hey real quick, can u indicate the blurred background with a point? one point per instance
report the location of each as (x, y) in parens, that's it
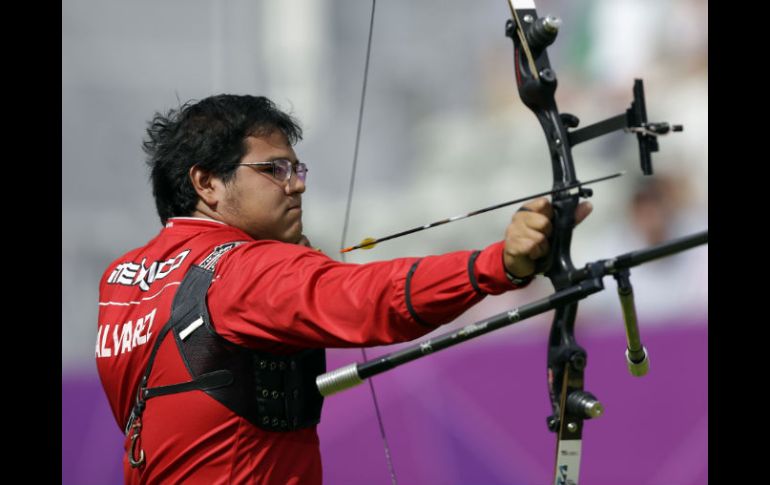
(444, 132)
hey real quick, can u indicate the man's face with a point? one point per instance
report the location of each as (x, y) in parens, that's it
(258, 204)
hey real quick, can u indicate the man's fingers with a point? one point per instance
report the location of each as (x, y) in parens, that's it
(533, 220)
(527, 234)
(536, 244)
(582, 211)
(530, 243)
(537, 216)
(540, 205)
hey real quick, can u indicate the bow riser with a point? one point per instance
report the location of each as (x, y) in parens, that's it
(536, 83)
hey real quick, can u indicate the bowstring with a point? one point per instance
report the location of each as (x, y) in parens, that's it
(386, 447)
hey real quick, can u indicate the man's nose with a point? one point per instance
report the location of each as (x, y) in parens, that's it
(295, 185)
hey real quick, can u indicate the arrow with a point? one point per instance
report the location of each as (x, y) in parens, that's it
(369, 242)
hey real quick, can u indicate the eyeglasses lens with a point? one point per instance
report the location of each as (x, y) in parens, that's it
(282, 170)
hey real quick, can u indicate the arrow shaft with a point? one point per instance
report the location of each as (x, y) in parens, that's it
(477, 212)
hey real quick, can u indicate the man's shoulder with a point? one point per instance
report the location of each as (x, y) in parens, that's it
(176, 246)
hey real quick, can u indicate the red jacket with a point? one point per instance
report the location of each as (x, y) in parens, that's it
(265, 295)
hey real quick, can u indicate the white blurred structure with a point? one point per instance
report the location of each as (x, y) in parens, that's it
(444, 131)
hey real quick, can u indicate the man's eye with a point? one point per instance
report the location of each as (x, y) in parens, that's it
(281, 169)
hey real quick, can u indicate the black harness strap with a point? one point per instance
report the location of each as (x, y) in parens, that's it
(181, 306)
(273, 392)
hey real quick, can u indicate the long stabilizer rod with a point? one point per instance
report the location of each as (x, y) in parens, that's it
(586, 281)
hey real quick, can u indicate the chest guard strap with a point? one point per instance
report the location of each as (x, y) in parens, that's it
(273, 392)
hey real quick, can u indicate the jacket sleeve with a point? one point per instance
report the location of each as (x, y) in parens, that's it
(268, 294)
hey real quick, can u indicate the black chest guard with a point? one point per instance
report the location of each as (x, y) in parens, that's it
(273, 392)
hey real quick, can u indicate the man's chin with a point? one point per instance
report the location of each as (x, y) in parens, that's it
(295, 235)
(304, 241)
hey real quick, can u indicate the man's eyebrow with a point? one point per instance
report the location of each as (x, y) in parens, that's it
(294, 161)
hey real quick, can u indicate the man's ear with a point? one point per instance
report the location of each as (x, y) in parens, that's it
(209, 187)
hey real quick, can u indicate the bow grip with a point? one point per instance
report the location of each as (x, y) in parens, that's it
(558, 261)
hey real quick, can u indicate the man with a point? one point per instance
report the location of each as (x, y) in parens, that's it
(211, 335)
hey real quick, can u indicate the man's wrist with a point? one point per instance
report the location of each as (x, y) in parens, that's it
(519, 281)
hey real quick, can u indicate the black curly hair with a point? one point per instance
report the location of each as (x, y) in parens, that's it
(211, 134)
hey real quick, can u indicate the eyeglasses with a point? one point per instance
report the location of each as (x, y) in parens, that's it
(282, 169)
